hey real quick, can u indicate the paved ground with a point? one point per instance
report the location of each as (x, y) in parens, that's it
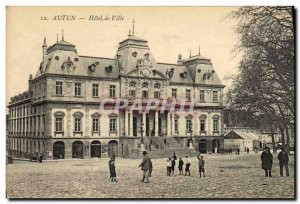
(226, 177)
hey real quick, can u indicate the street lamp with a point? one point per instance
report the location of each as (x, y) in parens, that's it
(142, 138)
(142, 131)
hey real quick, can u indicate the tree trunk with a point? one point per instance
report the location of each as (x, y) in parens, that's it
(281, 129)
(273, 139)
(287, 139)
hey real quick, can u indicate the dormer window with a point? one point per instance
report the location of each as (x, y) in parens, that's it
(183, 75)
(109, 69)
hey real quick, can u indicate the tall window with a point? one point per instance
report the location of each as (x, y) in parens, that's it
(77, 125)
(58, 124)
(95, 90)
(176, 125)
(58, 88)
(156, 90)
(59, 121)
(188, 94)
(145, 90)
(174, 93)
(215, 96)
(112, 124)
(95, 124)
(189, 125)
(216, 125)
(202, 125)
(78, 121)
(77, 89)
(112, 91)
(202, 95)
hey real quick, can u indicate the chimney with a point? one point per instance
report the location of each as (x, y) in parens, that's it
(179, 61)
(44, 47)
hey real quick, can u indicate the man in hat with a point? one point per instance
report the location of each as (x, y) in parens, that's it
(145, 166)
(283, 158)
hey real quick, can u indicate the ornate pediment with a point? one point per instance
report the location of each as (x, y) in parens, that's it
(144, 66)
(68, 66)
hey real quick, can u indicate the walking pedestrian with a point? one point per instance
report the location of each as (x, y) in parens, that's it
(247, 150)
(169, 166)
(283, 158)
(112, 169)
(173, 165)
(180, 166)
(187, 166)
(40, 158)
(201, 164)
(151, 167)
(267, 161)
(145, 166)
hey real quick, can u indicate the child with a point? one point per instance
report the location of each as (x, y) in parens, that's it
(201, 163)
(112, 169)
(187, 165)
(169, 166)
(180, 166)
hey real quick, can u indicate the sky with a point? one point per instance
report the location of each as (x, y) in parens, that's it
(169, 30)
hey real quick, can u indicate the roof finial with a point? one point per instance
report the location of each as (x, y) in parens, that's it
(62, 35)
(190, 53)
(57, 37)
(133, 26)
(199, 50)
(45, 44)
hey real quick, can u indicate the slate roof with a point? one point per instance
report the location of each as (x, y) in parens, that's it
(241, 135)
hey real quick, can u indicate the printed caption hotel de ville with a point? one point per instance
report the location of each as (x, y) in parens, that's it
(82, 106)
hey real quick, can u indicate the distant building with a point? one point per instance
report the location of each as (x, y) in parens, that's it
(60, 117)
(241, 140)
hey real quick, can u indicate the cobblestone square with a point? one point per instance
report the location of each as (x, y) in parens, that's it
(227, 176)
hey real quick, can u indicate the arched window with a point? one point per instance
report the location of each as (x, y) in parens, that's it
(216, 123)
(96, 122)
(145, 90)
(59, 121)
(156, 90)
(203, 123)
(132, 88)
(78, 121)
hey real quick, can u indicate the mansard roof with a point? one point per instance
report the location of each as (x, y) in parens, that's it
(100, 67)
(62, 58)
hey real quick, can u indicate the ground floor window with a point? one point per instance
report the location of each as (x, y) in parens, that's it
(112, 125)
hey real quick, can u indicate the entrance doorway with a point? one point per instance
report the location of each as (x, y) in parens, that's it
(203, 146)
(96, 149)
(58, 150)
(134, 121)
(112, 148)
(77, 149)
(215, 146)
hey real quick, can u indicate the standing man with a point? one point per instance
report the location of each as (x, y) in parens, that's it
(201, 164)
(145, 166)
(187, 166)
(283, 158)
(267, 161)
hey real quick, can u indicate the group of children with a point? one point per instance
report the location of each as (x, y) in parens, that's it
(171, 162)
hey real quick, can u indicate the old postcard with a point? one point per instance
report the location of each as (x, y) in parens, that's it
(150, 103)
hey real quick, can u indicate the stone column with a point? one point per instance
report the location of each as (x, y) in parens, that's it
(156, 123)
(126, 123)
(131, 123)
(68, 121)
(168, 124)
(196, 125)
(144, 122)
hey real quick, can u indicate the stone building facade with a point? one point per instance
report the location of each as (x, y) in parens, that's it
(59, 115)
